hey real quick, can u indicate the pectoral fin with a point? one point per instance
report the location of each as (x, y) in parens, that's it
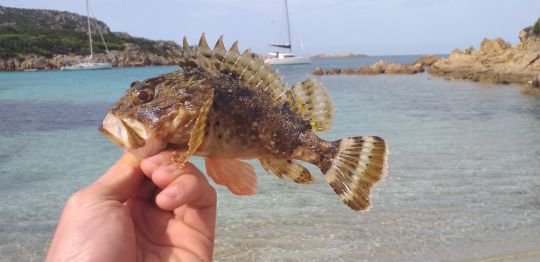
(237, 176)
(197, 130)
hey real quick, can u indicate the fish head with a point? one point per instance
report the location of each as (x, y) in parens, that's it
(149, 115)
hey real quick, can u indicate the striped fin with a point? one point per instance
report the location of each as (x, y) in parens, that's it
(359, 163)
(288, 168)
(250, 70)
(198, 132)
(311, 101)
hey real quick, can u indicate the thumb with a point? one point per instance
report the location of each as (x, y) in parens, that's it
(121, 180)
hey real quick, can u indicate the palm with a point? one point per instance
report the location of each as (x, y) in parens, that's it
(121, 218)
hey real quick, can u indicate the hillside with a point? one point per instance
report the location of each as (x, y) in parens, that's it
(47, 39)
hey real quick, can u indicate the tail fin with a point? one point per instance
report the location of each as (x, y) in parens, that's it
(357, 163)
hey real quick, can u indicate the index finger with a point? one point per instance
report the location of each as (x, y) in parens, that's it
(150, 164)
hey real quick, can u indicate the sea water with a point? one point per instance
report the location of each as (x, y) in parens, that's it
(463, 180)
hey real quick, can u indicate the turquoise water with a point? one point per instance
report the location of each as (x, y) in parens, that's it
(464, 177)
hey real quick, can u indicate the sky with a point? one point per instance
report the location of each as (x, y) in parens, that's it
(373, 27)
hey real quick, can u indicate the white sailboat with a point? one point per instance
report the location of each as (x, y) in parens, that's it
(286, 58)
(89, 65)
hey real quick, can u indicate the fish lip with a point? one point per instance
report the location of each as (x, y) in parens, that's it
(108, 135)
(120, 132)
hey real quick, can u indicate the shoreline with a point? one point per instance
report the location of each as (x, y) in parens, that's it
(59, 70)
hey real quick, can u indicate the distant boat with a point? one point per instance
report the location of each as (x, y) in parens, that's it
(286, 58)
(30, 70)
(89, 65)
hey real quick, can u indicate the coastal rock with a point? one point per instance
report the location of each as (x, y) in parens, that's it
(131, 56)
(382, 67)
(493, 47)
(318, 71)
(497, 61)
(9, 64)
(427, 60)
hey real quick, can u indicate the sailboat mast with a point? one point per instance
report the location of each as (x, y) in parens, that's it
(89, 29)
(288, 25)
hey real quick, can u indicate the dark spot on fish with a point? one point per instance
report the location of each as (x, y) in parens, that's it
(217, 123)
(289, 161)
(219, 136)
(257, 112)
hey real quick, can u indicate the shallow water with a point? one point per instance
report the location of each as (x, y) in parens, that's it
(463, 183)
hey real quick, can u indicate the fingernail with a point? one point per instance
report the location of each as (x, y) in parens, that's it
(171, 192)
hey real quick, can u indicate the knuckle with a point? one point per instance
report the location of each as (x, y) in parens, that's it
(77, 199)
(212, 192)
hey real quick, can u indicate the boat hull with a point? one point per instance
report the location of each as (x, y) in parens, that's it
(287, 60)
(87, 66)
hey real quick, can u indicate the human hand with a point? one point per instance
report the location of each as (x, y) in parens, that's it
(124, 217)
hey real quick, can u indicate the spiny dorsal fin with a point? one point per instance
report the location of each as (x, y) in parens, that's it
(203, 47)
(185, 45)
(242, 63)
(230, 58)
(252, 71)
(312, 102)
(289, 168)
(218, 53)
(188, 55)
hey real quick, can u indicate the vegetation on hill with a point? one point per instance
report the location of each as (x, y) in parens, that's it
(50, 42)
(48, 33)
(536, 27)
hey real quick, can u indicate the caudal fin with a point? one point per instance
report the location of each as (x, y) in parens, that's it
(356, 164)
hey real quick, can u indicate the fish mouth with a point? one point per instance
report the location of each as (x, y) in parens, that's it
(128, 133)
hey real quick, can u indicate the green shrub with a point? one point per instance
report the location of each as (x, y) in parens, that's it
(536, 27)
(49, 42)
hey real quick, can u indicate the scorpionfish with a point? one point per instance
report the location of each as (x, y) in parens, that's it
(227, 107)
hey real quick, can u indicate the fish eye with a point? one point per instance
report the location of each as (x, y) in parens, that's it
(142, 96)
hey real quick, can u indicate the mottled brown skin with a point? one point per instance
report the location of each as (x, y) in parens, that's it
(246, 123)
(172, 93)
(243, 123)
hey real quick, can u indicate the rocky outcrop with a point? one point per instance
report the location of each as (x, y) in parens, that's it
(428, 60)
(497, 61)
(48, 39)
(19, 18)
(131, 56)
(382, 67)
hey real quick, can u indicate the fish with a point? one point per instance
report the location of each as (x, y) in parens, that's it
(227, 107)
